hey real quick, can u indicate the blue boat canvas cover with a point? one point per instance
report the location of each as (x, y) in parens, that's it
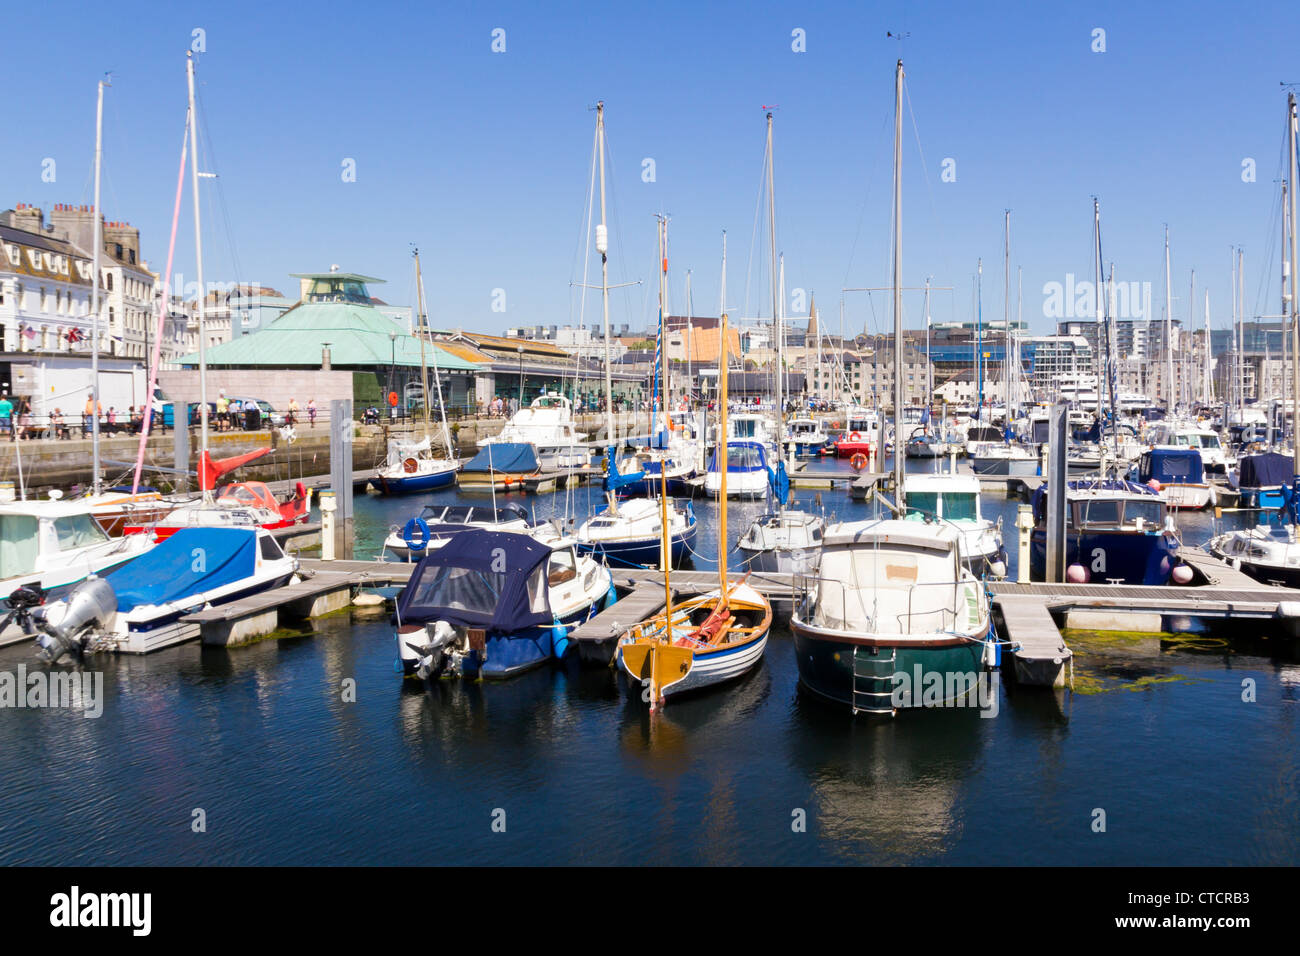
(1169, 465)
(1265, 470)
(190, 561)
(741, 456)
(511, 457)
(487, 579)
(613, 480)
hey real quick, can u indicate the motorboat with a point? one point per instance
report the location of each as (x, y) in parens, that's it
(1260, 478)
(785, 541)
(1177, 473)
(493, 604)
(500, 466)
(630, 534)
(954, 500)
(412, 539)
(806, 437)
(1116, 531)
(547, 424)
(746, 468)
(51, 546)
(138, 606)
(1003, 459)
(245, 504)
(892, 608)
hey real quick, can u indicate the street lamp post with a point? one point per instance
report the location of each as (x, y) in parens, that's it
(392, 370)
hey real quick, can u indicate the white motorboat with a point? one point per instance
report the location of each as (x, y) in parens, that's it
(547, 424)
(954, 500)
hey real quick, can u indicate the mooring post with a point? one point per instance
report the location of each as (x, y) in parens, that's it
(328, 504)
(341, 426)
(1056, 472)
(181, 445)
(1025, 525)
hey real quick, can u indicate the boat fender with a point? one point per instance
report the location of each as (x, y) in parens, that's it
(1077, 574)
(1182, 574)
(416, 527)
(611, 596)
(559, 639)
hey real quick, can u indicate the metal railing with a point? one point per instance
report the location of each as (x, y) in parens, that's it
(806, 603)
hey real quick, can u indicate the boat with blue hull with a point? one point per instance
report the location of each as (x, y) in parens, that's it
(1261, 477)
(1178, 474)
(135, 607)
(630, 534)
(1116, 531)
(493, 604)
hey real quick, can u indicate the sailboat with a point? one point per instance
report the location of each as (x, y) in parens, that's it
(784, 539)
(892, 600)
(703, 640)
(630, 534)
(116, 506)
(411, 467)
(1270, 553)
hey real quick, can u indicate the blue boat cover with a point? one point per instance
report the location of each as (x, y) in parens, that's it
(741, 456)
(778, 483)
(510, 457)
(493, 580)
(1265, 470)
(1084, 486)
(613, 480)
(190, 561)
(1165, 465)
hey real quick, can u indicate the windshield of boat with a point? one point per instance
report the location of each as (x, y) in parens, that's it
(19, 544)
(950, 505)
(744, 427)
(78, 531)
(465, 589)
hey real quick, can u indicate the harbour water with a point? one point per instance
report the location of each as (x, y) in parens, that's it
(561, 766)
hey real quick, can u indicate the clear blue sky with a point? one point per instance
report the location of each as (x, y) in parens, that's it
(482, 158)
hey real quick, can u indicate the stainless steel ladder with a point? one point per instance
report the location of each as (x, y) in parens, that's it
(871, 672)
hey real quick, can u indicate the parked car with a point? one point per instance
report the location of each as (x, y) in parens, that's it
(268, 412)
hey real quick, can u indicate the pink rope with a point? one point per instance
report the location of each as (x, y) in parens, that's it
(181, 419)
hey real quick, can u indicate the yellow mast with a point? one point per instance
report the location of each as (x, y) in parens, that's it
(667, 554)
(722, 456)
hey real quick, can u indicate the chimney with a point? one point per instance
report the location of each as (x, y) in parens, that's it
(325, 358)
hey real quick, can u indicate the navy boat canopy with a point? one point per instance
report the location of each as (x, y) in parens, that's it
(1266, 470)
(188, 562)
(1181, 466)
(493, 580)
(512, 457)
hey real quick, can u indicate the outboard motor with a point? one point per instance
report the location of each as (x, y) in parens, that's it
(66, 626)
(433, 654)
(20, 603)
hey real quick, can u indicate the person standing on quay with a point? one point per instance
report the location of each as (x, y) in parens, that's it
(293, 411)
(6, 415)
(311, 412)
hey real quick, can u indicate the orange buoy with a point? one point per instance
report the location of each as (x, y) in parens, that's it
(858, 461)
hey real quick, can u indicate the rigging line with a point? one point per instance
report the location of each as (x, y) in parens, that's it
(220, 200)
(754, 234)
(929, 186)
(862, 209)
(583, 244)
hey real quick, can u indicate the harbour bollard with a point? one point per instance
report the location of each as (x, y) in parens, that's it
(327, 507)
(952, 459)
(1025, 525)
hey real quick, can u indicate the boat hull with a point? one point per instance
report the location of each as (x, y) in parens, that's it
(1004, 467)
(640, 552)
(781, 560)
(708, 668)
(1131, 557)
(826, 666)
(413, 484)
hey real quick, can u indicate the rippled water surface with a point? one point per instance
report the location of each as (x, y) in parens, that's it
(259, 738)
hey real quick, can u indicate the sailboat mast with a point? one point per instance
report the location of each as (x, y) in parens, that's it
(198, 255)
(898, 285)
(929, 371)
(1006, 311)
(1292, 121)
(776, 290)
(667, 554)
(94, 291)
(602, 246)
(1169, 332)
(424, 367)
(720, 451)
(690, 310)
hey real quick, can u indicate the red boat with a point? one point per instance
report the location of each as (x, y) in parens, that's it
(240, 504)
(854, 444)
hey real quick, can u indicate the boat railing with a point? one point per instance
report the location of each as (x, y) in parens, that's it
(805, 584)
